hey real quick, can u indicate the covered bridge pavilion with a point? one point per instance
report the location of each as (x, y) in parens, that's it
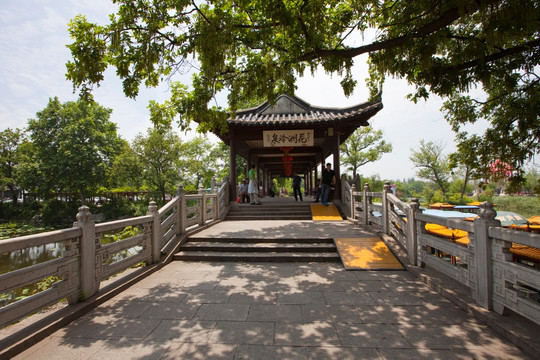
(292, 137)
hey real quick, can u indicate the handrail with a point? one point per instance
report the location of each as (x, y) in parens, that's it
(83, 261)
(482, 260)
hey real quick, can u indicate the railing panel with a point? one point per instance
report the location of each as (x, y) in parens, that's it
(120, 224)
(29, 241)
(173, 218)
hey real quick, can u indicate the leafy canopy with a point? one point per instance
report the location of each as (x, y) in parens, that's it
(365, 145)
(257, 49)
(74, 144)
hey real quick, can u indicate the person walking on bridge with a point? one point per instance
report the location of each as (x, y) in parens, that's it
(253, 189)
(328, 180)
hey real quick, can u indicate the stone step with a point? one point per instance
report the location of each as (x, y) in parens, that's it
(254, 240)
(270, 212)
(208, 246)
(256, 257)
(267, 217)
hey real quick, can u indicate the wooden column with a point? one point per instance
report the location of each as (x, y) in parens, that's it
(335, 153)
(232, 169)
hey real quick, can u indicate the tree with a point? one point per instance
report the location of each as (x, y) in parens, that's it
(126, 169)
(74, 146)
(200, 161)
(432, 164)
(363, 146)
(159, 154)
(9, 160)
(258, 48)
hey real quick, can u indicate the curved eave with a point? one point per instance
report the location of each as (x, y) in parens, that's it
(314, 117)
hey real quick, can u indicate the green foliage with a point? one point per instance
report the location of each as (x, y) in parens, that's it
(526, 206)
(16, 229)
(432, 164)
(59, 213)
(257, 49)
(74, 144)
(159, 154)
(9, 160)
(25, 292)
(19, 211)
(117, 207)
(126, 233)
(365, 145)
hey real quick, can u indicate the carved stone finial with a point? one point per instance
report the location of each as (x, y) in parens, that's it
(180, 190)
(486, 211)
(366, 187)
(84, 214)
(152, 208)
(386, 186)
(353, 187)
(415, 204)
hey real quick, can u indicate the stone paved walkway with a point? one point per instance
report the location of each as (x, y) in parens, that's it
(275, 311)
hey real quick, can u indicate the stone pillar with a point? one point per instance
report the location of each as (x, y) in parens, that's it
(385, 207)
(483, 294)
(181, 210)
(156, 231)
(202, 206)
(366, 204)
(353, 190)
(89, 284)
(232, 170)
(412, 233)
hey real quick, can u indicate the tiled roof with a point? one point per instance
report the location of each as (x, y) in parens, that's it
(290, 110)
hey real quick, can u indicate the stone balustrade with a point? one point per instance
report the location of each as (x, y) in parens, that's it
(84, 261)
(481, 261)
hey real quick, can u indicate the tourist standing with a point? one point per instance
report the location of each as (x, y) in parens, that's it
(253, 189)
(296, 182)
(328, 180)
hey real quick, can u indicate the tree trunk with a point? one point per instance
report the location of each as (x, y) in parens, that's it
(465, 181)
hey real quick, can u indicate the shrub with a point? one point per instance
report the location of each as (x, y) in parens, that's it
(59, 213)
(524, 205)
(116, 208)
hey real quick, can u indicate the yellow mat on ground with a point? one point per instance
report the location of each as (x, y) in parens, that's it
(366, 254)
(321, 212)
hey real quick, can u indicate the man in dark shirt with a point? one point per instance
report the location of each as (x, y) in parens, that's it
(328, 179)
(296, 182)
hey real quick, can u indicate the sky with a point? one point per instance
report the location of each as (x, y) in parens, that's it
(33, 54)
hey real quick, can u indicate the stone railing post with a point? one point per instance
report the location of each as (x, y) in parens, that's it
(483, 294)
(353, 190)
(386, 217)
(88, 281)
(366, 204)
(202, 206)
(156, 231)
(216, 202)
(227, 196)
(213, 182)
(181, 210)
(412, 233)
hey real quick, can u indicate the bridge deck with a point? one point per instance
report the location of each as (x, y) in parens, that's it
(227, 310)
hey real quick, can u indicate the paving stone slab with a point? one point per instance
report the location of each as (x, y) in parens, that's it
(200, 351)
(233, 312)
(274, 352)
(243, 332)
(306, 334)
(183, 331)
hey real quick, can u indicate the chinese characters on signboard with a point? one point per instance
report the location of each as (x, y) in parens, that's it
(278, 138)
